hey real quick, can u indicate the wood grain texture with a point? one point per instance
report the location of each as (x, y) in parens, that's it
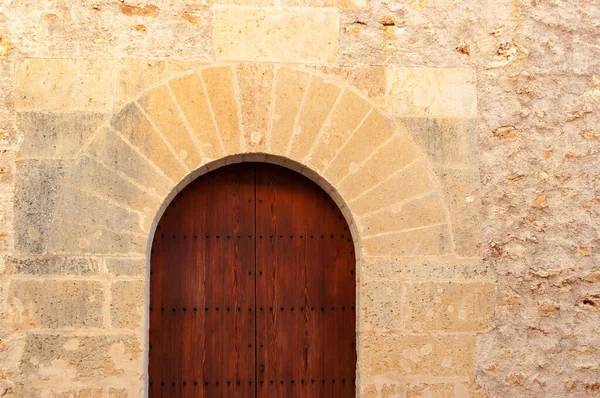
(306, 288)
(252, 289)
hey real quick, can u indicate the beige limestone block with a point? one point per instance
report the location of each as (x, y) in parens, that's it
(91, 176)
(431, 92)
(70, 237)
(255, 82)
(122, 266)
(35, 304)
(394, 354)
(448, 267)
(434, 240)
(220, 90)
(56, 135)
(118, 393)
(448, 142)
(276, 34)
(341, 4)
(344, 119)
(77, 393)
(319, 101)
(136, 75)
(461, 191)
(110, 149)
(131, 123)
(431, 390)
(370, 81)
(381, 305)
(191, 97)
(65, 84)
(52, 265)
(127, 304)
(397, 153)
(373, 132)
(158, 104)
(380, 268)
(421, 212)
(91, 359)
(290, 87)
(449, 306)
(84, 208)
(247, 3)
(415, 180)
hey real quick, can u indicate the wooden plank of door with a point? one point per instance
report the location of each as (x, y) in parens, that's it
(305, 289)
(202, 289)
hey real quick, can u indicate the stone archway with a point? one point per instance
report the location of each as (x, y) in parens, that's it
(300, 119)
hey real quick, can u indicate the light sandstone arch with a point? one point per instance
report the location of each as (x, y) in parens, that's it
(207, 117)
(299, 118)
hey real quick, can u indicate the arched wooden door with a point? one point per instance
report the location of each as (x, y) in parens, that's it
(252, 289)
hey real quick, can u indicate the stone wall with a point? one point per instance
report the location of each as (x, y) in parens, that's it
(459, 138)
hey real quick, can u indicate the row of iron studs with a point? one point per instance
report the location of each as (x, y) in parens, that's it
(239, 309)
(217, 383)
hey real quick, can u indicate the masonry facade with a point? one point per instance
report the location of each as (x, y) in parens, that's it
(108, 109)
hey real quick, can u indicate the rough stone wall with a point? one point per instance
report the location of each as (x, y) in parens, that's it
(537, 70)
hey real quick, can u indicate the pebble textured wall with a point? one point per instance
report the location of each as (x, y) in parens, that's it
(459, 138)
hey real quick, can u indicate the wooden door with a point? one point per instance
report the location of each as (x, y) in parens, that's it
(252, 289)
(305, 291)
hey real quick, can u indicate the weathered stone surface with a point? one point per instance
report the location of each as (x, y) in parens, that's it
(320, 98)
(9, 137)
(7, 81)
(56, 135)
(219, 82)
(291, 3)
(126, 266)
(449, 306)
(432, 92)
(448, 142)
(90, 176)
(83, 208)
(414, 181)
(380, 268)
(191, 97)
(138, 131)
(160, 107)
(370, 81)
(72, 237)
(290, 88)
(290, 35)
(52, 265)
(127, 304)
(434, 240)
(55, 304)
(344, 119)
(37, 188)
(86, 29)
(117, 393)
(447, 268)
(373, 132)
(136, 75)
(255, 82)
(7, 168)
(395, 154)
(417, 354)
(111, 149)
(381, 305)
(53, 360)
(461, 192)
(65, 84)
(424, 211)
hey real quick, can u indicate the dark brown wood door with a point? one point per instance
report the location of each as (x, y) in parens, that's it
(252, 289)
